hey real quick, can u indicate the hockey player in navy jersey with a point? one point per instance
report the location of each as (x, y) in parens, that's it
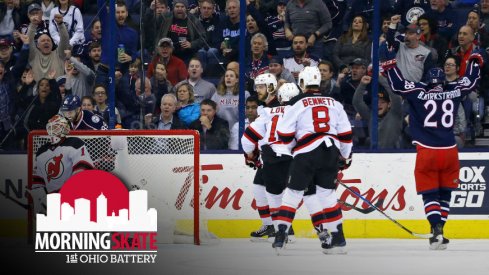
(56, 161)
(432, 109)
(81, 119)
(324, 138)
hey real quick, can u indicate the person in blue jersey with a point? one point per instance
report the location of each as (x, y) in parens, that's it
(78, 118)
(432, 110)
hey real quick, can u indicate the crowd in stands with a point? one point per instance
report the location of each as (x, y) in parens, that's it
(180, 70)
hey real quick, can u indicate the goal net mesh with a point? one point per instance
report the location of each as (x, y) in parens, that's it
(165, 163)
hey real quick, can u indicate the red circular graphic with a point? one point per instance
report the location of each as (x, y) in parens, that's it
(89, 185)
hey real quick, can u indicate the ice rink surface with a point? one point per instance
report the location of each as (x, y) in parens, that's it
(242, 257)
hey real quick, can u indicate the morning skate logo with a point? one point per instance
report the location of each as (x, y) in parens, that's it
(470, 198)
(95, 219)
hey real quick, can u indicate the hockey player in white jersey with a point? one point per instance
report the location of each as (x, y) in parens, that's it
(324, 139)
(266, 86)
(275, 155)
(57, 160)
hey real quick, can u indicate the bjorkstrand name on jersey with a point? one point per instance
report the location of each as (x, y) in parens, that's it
(439, 95)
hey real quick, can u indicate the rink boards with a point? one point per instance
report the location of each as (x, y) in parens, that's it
(228, 209)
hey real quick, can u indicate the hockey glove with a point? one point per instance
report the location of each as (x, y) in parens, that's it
(343, 163)
(254, 161)
(389, 64)
(38, 195)
(477, 57)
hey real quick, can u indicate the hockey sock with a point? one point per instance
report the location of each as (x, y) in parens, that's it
(315, 210)
(445, 197)
(331, 208)
(274, 202)
(432, 208)
(290, 202)
(262, 204)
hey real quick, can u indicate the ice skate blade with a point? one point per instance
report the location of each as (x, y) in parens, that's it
(338, 250)
(438, 246)
(280, 250)
(260, 240)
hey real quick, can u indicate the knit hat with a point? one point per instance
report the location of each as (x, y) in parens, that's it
(183, 2)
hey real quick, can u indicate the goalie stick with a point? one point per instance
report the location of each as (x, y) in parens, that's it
(362, 210)
(418, 235)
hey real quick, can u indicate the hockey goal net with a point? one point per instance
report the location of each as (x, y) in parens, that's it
(165, 163)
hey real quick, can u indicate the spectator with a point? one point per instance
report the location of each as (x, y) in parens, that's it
(203, 89)
(157, 8)
(167, 120)
(353, 44)
(72, 19)
(413, 58)
(46, 104)
(160, 84)
(258, 61)
(276, 68)
(310, 18)
(126, 36)
(8, 81)
(328, 83)
(10, 18)
(389, 112)
(256, 24)
(87, 103)
(214, 131)
(430, 37)
(411, 10)
(61, 80)
(227, 97)
(300, 57)
(481, 35)
(175, 67)
(251, 114)
(6, 52)
(79, 78)
(233, 65)
(43, 55)
(446, 18)
(230, 32)
(365, 8)
(209, 54)
(95, 31)
(276, 25)
(188, 109)
(101, 108)
(348, 83)
(95, 55)
(146, 99)
(185, 31)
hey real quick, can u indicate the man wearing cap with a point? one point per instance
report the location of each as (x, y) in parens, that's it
(389, 112)
(277, 69)
(413, 59)
(184, 29)
(176, 70)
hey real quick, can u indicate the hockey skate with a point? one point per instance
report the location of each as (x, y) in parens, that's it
(261, 235)
(336, 243)
(291, 235)
(280, 238)
(437, 242)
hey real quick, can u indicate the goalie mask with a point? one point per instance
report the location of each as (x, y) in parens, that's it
(286, 92)
(57, 128)
(309, 76)
(267, 79)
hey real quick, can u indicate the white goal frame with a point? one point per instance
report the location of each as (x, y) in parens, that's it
(195, 182)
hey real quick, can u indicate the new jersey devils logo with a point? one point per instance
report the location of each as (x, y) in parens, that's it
(54, 167)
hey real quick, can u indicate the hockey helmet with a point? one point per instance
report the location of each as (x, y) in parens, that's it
(71, 102)
(287, 91)
(57, 127)
(267, 79)
(309, 76)
(435, 76)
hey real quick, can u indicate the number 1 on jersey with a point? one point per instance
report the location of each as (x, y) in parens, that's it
(272, 137)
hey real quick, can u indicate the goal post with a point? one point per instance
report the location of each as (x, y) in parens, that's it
(166, 163)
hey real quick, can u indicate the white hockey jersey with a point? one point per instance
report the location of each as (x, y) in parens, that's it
(262, 131)
(55, 164)
(313, 119)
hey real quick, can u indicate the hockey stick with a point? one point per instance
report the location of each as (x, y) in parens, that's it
(418, 235)
(362, 210)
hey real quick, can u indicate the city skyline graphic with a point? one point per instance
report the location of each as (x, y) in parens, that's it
(63, 217)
